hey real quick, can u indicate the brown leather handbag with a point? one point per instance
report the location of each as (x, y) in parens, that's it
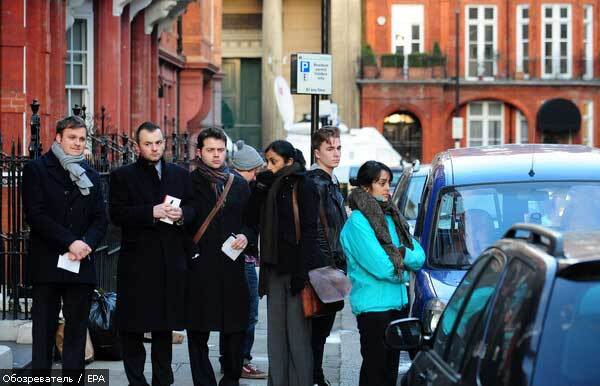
(327, 287)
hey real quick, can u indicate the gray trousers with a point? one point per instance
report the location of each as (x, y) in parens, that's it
(289, 335)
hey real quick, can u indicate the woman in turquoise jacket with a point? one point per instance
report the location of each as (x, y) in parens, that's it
(379, 252)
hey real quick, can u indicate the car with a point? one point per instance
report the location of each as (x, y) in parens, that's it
(473, 195)
(407, 194)
(526, 314)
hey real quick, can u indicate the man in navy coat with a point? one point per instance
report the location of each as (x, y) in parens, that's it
(64, 207)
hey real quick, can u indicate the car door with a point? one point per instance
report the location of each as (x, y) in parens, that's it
(511, 326)
(441, 365)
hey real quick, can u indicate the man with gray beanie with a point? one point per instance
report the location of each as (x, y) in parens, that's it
(246, 162)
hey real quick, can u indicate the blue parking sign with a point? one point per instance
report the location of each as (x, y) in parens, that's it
(304, 66)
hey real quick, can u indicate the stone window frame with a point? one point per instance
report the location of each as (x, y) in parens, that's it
(481, 23)
(587, 123)
(522, 53)
(588, 41)
(485, 119)
(88, 87)
(521, 128)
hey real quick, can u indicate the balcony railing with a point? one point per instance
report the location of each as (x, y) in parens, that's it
(395, 67)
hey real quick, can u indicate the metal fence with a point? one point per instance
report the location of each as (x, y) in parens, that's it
(105, 152)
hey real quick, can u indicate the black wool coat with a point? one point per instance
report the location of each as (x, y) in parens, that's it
(59, 214)
(218, 296)
(154, 256)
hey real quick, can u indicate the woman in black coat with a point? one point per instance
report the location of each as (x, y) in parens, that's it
(286, 260)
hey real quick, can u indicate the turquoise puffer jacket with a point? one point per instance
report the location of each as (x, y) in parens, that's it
(375, 287)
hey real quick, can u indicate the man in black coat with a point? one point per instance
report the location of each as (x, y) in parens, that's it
(218, 296)
(154, 255)
(64, 207)
(325, 144)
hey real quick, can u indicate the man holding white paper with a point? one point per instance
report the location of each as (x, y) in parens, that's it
(218, 297)
(154, 254)
(64, 207)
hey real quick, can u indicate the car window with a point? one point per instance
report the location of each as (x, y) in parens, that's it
(569, 351)
(471, 315)
(471, 218)
(412, 197)
(511, 318)
(452, 311)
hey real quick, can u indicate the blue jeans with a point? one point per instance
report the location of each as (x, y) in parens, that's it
(252, 279)
(248, 342)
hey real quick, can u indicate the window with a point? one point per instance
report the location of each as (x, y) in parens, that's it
(523, 39)
(556, 41)
(484, 123)
(521, 128)
(79, 72)
(510, 324)
(413, 197)
(588, 123)
(481, 42)
(588, 42)
(407, 28)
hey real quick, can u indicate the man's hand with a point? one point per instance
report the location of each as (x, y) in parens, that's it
(174, 213)
(240, 242)
(161, 210)
(79, 249)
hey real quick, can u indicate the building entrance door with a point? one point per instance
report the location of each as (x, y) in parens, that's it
(403, 131)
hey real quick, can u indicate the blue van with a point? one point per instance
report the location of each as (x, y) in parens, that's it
(474, 195)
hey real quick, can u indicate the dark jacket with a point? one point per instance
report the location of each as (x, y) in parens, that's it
(332, 208)
(59, 214)
(154, 256)
(294, 258)
(218, 296)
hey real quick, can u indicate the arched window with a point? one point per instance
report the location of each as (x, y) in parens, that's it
(403, 130)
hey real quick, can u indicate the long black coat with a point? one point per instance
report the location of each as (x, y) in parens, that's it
(154, 256)
(59, 214)
(218, 296)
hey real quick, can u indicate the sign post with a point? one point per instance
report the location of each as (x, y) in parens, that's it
(312, 75)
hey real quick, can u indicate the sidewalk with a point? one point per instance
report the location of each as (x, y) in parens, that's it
(344, 334)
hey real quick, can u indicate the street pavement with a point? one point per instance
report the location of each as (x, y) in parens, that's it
(341, 361)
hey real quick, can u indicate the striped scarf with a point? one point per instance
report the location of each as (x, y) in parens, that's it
(217, 177)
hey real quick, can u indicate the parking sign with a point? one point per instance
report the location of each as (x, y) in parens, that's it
(314, 74)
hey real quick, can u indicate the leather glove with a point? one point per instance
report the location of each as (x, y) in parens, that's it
(264, 180)
(296, 285)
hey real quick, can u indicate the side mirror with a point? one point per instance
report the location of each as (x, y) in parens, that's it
(404, 334)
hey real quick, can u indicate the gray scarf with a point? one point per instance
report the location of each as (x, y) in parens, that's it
(71, 164)
(375, 212)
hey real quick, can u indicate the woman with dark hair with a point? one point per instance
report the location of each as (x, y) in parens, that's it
(379, 251)
(286, 206)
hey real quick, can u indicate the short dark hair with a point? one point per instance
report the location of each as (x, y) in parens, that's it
(211, 132)
(148, 126)
(324, 134)
(370, 172)
(71, 122)
(286, 151)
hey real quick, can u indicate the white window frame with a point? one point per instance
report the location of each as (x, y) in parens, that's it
(556, 21)
(481, 23)
(485, 119)
(588, 41)
(588, 123)
(86, 13)
(522, 41)
(519, 118)
(409, 40)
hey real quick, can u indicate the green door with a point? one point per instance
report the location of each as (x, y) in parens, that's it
(241, 102)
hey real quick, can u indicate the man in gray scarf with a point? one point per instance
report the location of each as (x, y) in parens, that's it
(65, 210)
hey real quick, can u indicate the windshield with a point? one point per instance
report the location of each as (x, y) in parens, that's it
(569, 350)
(410, 208)
(471, 218)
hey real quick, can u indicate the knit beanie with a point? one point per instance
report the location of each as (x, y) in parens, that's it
(245, 157)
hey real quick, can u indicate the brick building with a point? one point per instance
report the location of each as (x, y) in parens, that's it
(139, 59)
(529, 71)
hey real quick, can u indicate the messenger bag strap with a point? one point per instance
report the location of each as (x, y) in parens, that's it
(214, 210)
(296, 212)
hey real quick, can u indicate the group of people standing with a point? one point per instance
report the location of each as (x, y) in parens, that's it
(190, 246)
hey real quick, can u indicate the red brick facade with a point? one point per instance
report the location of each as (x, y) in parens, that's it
(432, 100)
(132, 60)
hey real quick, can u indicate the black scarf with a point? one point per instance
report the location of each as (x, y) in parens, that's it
(375, 212)
(217, 177)
(269, 223)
